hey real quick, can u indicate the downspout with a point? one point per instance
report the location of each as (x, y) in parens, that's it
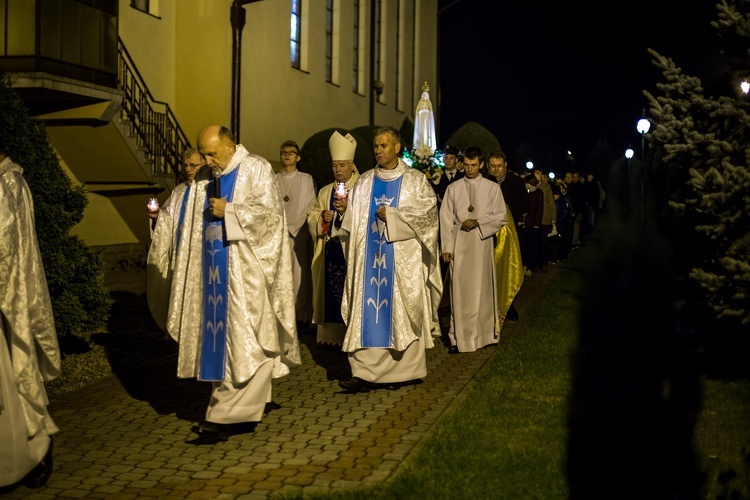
(237, 18)
(373, 77)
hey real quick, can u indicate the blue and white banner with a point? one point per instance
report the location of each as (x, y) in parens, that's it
(215, 286)
(378, 277)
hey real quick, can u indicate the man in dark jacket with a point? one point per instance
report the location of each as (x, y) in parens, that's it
(451, 173)
(516, 197)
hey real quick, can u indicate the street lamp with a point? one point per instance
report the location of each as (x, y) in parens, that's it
(745, 86)
(642, 127)
(629, 154)
(529, 165)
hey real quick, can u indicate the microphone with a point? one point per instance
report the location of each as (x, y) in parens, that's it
(216, 172)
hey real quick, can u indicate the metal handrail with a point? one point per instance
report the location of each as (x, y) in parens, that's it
(157, 132)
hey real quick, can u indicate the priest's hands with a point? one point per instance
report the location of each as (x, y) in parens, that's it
(217, 206)
(447, 257)
(469, 224)
(381, 214)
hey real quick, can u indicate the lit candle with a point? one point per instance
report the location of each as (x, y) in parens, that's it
(152, 205)
(341, 190)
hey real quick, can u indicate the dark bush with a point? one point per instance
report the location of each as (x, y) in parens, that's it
(80, 302)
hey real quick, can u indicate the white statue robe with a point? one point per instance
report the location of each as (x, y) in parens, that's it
(298, 195)
(260, 323)
(29, 352)
(417, 286)
(327, 333)
(473, 294)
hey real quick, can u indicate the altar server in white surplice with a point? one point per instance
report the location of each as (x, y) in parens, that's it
(393, 284)
(329, 261)
(222, 246)
(29, 352)
(472, 211)
(298, 195)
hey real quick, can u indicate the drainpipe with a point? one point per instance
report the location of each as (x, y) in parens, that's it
(373, 76)
(237, 18)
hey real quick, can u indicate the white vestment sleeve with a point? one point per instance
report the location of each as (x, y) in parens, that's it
(396, 227)
(232, 224)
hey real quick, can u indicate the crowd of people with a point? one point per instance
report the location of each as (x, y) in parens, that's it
(243, 259)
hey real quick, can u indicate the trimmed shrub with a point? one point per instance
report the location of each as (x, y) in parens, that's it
(80, 302)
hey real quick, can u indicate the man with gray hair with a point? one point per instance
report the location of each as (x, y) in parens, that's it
(393, 285)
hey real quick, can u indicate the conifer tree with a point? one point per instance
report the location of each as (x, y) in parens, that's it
(80, 302)
(705, 142)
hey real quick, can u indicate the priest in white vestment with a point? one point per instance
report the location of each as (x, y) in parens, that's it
(329, 258)
(29, 352)
(221, 248)
(473, 210)
(298, 195)
(393, 285)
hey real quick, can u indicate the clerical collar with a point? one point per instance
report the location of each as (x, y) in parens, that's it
(389, 175)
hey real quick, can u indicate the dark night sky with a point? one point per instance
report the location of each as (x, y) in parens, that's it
(566, 73)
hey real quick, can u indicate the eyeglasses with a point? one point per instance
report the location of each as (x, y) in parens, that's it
(194, 165)
(288, 153)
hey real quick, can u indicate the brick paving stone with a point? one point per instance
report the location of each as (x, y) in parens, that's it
(126, 437)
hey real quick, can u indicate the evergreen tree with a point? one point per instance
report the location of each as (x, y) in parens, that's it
(473, 134)
(80, 302)
(703, 164)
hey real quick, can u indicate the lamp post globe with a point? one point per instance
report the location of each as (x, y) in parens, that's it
(629, 153)
(643, 126)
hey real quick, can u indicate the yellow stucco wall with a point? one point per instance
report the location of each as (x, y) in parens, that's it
(102, 224)
(185, 56)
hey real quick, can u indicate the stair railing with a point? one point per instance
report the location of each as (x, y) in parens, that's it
(152, 122)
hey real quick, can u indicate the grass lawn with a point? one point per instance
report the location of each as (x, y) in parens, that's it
(508, 437)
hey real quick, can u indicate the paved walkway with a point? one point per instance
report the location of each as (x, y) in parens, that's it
(129, 436)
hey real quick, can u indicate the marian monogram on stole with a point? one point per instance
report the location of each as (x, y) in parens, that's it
(378, 284)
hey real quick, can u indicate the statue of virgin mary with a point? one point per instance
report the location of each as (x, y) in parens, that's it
(425, 142)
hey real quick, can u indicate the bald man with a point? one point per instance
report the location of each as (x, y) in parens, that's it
(231, 303)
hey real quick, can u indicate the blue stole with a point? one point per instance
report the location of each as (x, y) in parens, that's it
(183, 206)
(377, 293)
(215, 286)
(334, 274)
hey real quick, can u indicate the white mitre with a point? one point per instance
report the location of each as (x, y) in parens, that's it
(342, 147)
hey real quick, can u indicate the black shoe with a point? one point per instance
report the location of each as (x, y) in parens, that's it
(243, 428)
(512, 314)
(303, 326)
(212, 432)
(356, 384)
(453, 349)
(391, 386)
(39, 475)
